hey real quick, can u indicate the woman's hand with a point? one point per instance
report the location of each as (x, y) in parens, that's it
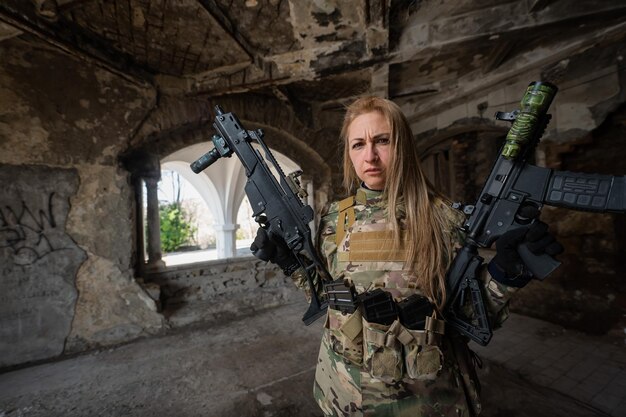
(507, 267)
(274, 249)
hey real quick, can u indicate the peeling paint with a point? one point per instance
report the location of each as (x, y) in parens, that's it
(85, 124)
(111, 151)
(111, 309)
(324, 6)
(138, 18)
(25, 142)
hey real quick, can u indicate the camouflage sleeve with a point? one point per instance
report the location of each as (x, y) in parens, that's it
(326, 249)
(497, 298)
(495, 294)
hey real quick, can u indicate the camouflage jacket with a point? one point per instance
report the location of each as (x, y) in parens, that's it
(370, 369)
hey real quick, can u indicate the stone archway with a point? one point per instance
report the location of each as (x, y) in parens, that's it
(175, 124)
(457, 160)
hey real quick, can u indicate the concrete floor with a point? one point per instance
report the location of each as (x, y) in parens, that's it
(252, 366)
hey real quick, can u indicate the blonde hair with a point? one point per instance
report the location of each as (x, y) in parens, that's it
(425, 235)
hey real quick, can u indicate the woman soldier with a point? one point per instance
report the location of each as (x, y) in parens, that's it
(390, 245)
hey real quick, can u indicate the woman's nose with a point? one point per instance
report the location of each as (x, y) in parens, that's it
(370, 152)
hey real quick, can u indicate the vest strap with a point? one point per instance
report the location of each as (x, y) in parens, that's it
(346, 218)
(435, 326)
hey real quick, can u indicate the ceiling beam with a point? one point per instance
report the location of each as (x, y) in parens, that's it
(499, 54)
(67, 5)
(74, 40)
(230, 28)
(238, 83)
(422, 38)
(538, 5)
(8, 31)
(476, 83)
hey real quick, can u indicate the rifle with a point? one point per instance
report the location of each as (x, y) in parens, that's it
(276, 204)
(512, 185)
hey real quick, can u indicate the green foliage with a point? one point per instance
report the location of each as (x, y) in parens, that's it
(176, 227)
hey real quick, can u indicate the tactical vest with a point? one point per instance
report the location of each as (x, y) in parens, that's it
(376, 245)
(388, 358)
(366, 257)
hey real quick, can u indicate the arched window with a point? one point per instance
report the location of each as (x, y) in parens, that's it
(459, 165)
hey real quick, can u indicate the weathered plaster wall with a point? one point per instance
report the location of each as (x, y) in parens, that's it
(63, 123)
(111, 308)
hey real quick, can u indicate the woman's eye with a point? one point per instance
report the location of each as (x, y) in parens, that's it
(382, 141)
(356, 145)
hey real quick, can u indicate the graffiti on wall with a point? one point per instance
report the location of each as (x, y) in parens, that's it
(25, 232)
(39, 261)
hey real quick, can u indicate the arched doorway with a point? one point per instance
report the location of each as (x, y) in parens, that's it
(223, 212)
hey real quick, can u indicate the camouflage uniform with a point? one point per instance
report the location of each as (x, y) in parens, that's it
(367, 369)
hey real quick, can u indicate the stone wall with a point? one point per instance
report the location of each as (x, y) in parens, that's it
(39, 262)
(67, 221)
(212, 290)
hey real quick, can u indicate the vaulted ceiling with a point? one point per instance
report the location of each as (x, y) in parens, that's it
(317, 53)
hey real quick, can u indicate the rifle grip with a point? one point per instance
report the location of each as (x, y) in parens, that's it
(540, 265)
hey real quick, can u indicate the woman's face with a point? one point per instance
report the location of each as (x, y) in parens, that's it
(369, 148)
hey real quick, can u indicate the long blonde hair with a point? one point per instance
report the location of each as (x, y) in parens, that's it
(425, 235)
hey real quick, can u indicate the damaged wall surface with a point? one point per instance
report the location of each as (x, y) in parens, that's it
(92, 90)
(67, 223)
(41, 261)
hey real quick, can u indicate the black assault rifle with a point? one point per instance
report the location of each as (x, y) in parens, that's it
(513, 184)
(276, 204)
